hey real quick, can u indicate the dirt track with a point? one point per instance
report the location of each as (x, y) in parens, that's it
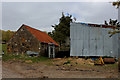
(41, 70)
(0, 69)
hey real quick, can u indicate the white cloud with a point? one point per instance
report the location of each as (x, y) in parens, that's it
(42, 15)
(58, 0)
(0, 15)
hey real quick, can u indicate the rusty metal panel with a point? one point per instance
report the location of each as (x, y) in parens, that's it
(109, 60)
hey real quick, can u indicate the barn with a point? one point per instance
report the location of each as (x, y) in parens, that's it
(93, 40)
(29, 39)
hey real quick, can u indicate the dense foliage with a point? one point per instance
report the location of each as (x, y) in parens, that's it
(114, 23)
(117, 3)
(6, 35)
(62, 30)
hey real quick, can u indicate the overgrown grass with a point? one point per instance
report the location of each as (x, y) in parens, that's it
(49, 63)
(37, 59)
(112, 65)
(24, 58)
(3, 47)
(0, 49)
(11, 56)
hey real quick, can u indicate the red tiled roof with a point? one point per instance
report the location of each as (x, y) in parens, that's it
(41, 36)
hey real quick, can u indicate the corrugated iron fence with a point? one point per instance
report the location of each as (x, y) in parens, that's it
(87, 40)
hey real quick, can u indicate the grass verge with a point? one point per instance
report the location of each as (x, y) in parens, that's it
(24, 58)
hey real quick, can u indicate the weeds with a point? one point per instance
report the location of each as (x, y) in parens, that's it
(24, 58)
(36, 59)
(3, 48)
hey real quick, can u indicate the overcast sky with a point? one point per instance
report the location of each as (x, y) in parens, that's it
(41, 15)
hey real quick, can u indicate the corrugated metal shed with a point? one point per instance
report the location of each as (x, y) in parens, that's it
(93, 40)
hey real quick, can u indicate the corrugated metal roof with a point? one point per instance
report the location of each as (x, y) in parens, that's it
(96, 25)
(41, 36)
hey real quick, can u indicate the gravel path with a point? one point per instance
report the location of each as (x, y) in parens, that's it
(7, 73)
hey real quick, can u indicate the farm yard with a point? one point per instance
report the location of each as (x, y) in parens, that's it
(42, 67)
(0, 61)
(84, 43)
(16, 63)
(25, 66)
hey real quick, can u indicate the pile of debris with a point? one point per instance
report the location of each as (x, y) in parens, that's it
(28, 61)
(72, 61)
(83, 61)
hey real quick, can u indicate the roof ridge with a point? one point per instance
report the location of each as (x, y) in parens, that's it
(31, 27)
(96, 25)
(40, 35)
